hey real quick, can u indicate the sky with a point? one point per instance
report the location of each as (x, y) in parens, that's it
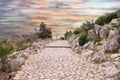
(24, 16)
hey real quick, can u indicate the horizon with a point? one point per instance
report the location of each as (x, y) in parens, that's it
(23, 16)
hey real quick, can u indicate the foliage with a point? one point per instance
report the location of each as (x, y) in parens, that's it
(77, 31)
(84, 28)
(6, 47)
(115, 26)
(83, 39)
(88, 25)
(94, 38)
(44, 32)
(68, 34)
(23, 44)
(107, 18)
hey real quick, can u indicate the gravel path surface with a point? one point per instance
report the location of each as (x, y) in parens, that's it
(58, 64)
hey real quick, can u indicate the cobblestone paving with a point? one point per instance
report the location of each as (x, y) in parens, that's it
(58, 64)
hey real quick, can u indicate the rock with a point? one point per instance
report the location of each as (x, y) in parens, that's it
(11, 75)
(87, 53)
(98, 57)
(85, 46)
(117, 64)
(0, 64)
(16, 63)
(109, 69)
(97, 29)
(91, 32)
(74, 41)
(91, 45)
(104, 32)
(114, 21)
(112, 45)
(113, 56)
(77, 49)
(37, 45)
(24, 55)
(13, 55)
(113, 34)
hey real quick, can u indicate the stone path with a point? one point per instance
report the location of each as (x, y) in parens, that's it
(58, 62)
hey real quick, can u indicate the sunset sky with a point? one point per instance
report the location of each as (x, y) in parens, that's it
(23, 16)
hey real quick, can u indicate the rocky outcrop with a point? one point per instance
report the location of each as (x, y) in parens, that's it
(97, 29)
(113, 34)
(109, 70)
(98, 57)
(91, 33)
(112, 42)
(17, 59)
(115, 21)
(87, 53)
(16, 63)
(116, 59)
(104, 32)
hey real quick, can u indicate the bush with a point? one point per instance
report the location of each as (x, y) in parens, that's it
(77, 31)
(115, 26)
(68, 34)
(23, 44)
(88, 25)
(5, 49)
(105, 19)
(94, 38)
(83, 39)
(44, 32)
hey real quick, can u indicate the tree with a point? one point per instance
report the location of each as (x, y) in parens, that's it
(42, 26)
(44, 32)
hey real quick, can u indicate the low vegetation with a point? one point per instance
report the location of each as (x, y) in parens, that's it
(6, 47)
(105, 19)
(83, 39)
(88, 25)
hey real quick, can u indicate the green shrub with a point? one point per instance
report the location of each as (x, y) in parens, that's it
(115, 26)
(105, 19)
(83, 39)
(94, 38)
(68, 34)
(5, 49)
(77, 31)
(88, 25)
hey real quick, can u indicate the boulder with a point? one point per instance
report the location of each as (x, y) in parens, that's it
(91, 32)
(24, 55)
(117, 64)
(16, 63)
(108, 69)
(92, 45)
(104, 32)
(113, 34)
(97, 29)
(13, 55)
(0, 64)
(87, 53)
(114, 21)
(77, 49)
(111, 45)
(98, 57)
(114, 56)
(85, 46)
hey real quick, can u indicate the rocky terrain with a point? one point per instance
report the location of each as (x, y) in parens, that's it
(106, 53)
(17, 59)
(59, 63)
